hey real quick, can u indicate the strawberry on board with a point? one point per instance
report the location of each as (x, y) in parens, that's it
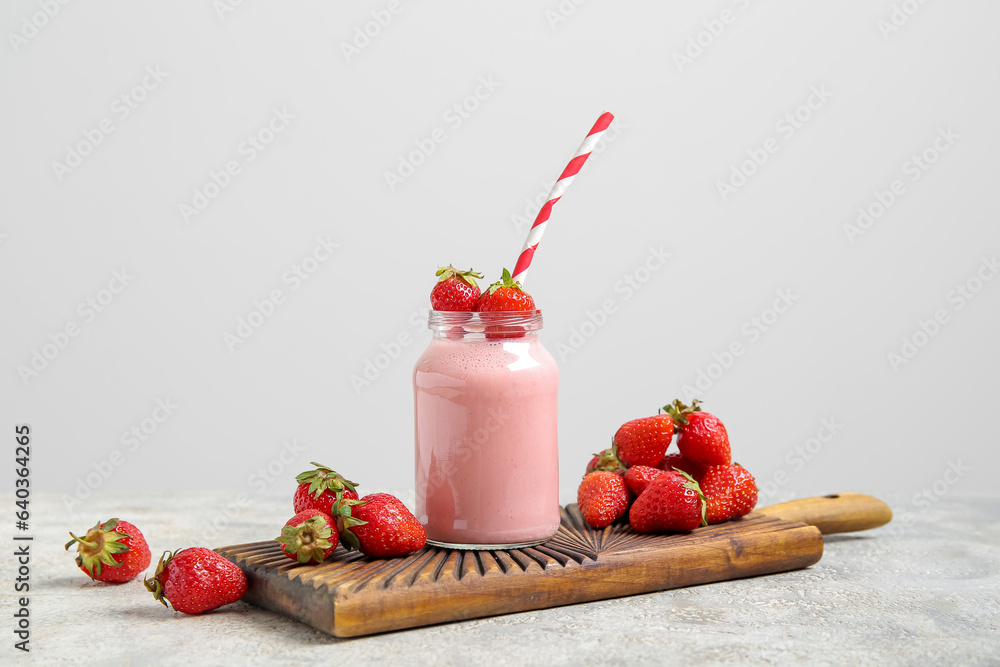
(672, 502)
(114, 551)
(378, 525)
(195, 580)
(455, 290)
(606, 460)
(703, 438)
(602, 497)
(644, 441)
(309, 537)
(730, 492)
(638, 478)
(505, 294)
(319, 488)
(677, 461)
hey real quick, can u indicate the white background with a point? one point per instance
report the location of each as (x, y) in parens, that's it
(681, 129)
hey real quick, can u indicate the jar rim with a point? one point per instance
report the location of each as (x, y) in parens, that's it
(473, 323)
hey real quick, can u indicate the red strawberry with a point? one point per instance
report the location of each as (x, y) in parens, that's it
(505, 294)
(113, 551)
(309, 537)
(319, 488)
(196, 580)
(455, 290)
(379, 525)
(602, 497)
(730, 492)
(703, 438)
(644, 441)
(677, 460)
(606, 460)
(639, 477)
(672, 502)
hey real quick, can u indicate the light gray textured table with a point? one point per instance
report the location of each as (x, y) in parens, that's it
(922, 591)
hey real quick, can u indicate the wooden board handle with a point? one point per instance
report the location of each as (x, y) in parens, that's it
(838, 513)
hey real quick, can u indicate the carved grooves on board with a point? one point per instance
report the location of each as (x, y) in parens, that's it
(575, 544)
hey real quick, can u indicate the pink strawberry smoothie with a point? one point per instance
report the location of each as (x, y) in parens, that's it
(486, 440)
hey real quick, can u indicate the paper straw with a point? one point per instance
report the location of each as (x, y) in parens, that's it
(558, 190)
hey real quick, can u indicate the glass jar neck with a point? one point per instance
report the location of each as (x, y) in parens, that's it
(501, 324)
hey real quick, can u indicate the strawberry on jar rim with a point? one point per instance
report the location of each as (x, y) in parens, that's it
(505, 295)
(455, 290)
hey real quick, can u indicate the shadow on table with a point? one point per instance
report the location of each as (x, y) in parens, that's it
(845, 537)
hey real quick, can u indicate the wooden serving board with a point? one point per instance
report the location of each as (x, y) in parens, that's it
(350, 594)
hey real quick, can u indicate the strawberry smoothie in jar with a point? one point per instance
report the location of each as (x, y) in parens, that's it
(485, 398)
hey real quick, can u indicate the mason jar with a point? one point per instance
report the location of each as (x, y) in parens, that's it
(485, 419)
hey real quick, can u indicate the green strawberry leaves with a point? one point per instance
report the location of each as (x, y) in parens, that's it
(341, 511)
(505, 281)
(325, 479)
(308, 541)
(446, 272)
(678, 411)
(97, 548)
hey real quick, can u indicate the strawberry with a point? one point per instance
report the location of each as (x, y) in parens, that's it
(309, 537)
(639, 477)
(455, 290)
(672, 502)
(379, 525)
(505, 294)
(730, 492)
(602, 497)
(606, 460)
(676, 460)
(703, 438)
(114, 551)
(644, 441)
(196, 580)
(319, 488)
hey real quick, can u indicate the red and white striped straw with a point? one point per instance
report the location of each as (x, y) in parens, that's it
(558, 190)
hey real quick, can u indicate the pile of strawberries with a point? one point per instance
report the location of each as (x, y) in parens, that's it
(457, 291)
(193, 580)
(328, 510)
(696, 486)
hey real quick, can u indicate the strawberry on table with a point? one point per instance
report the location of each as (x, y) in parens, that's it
(602, 497)
(672, 502)
(644, 441)
(114, 551)
(503, 295)
(196, 580)
(319, 488)
(379, 525)
(703, 438)
(606, 460)
(676, 460)
(638, 478)
(309, 537)
(455, 290)
(730, 492)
